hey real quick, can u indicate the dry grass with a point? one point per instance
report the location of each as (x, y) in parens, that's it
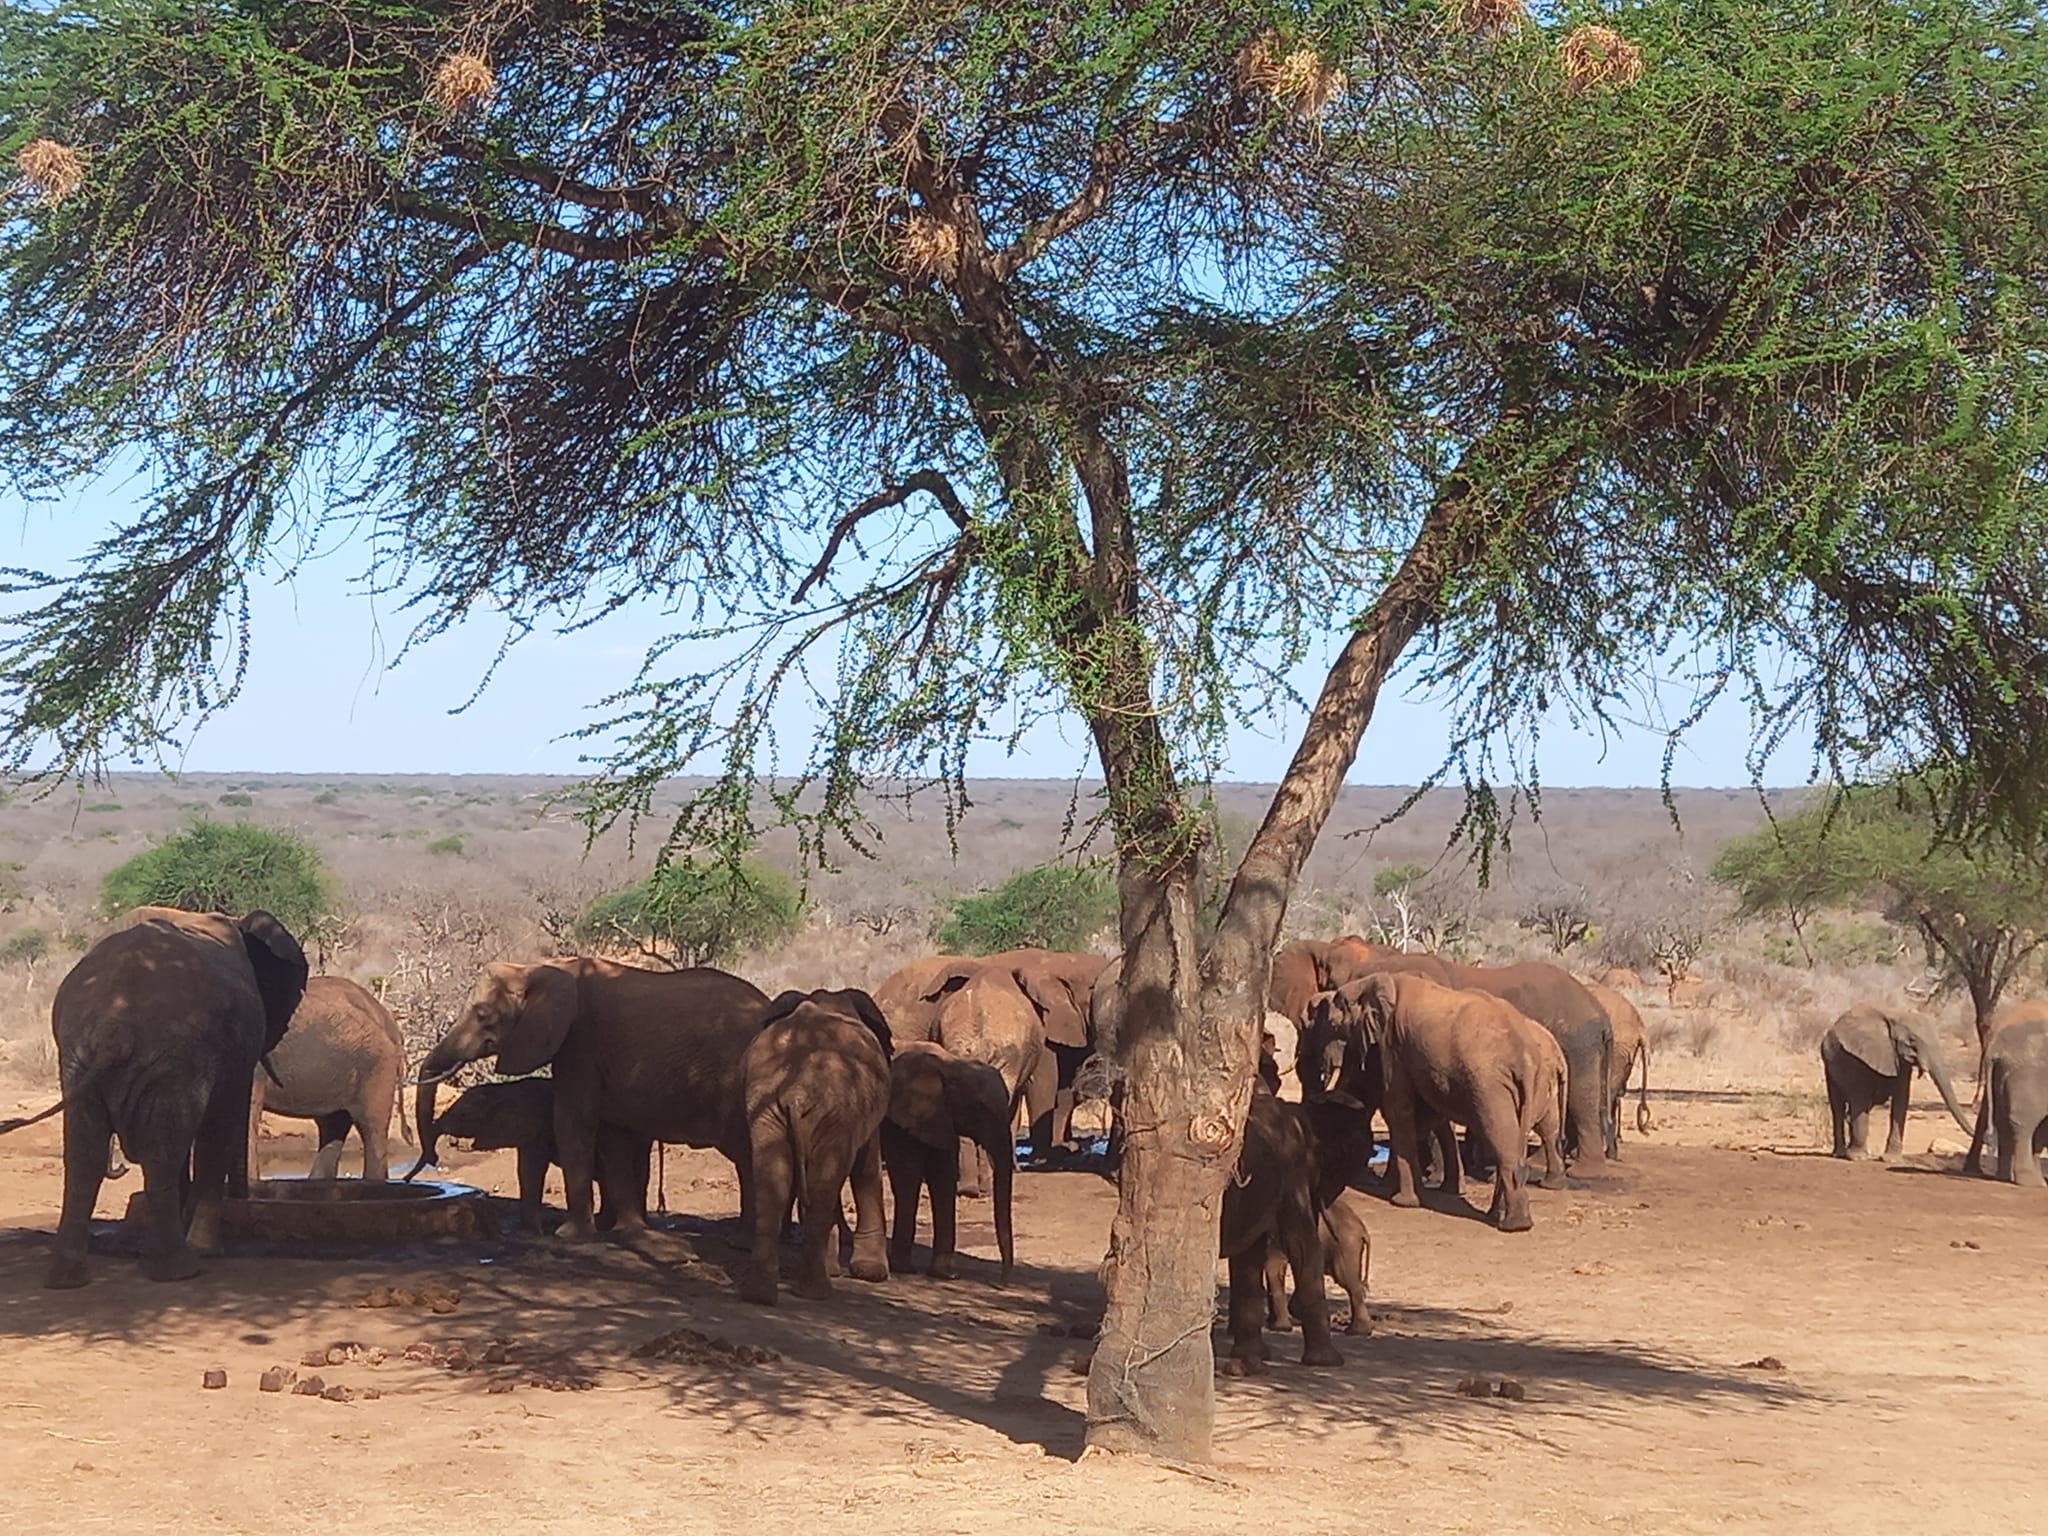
(930, 247)
(54, 171)
(1486, 17)
(461, 81)
(1596, 55)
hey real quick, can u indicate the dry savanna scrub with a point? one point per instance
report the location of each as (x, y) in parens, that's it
(461, 81)
(1596, 55)
(52, 170)
(1298, 78)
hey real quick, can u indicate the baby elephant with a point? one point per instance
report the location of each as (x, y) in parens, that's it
(1470, 1058)
(520, 1114)
(936, 1100)
(1868, 1057)
(1347, 1259)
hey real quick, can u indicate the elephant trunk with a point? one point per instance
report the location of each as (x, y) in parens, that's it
(1002, 1161)
(1937, 1070)
(423, 1121)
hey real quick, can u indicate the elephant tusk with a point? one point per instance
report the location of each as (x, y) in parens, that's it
(438, 1077)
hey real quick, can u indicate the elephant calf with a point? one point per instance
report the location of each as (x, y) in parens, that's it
(520, 1114)
(2014, 1094)
(1347, 1259)
(937, 1100)
(339, 1065)
(1270, 1208)
(1868, 1057)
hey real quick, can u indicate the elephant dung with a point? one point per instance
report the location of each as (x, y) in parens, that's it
(1511, 1389)
(338, 1394)
(1475, 1386)
(311, 1386)
(276, 1379)
(214, 1379)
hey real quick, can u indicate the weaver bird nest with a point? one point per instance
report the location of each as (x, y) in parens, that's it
(1595, 55)
(930, 247)
(462, 80)
(1487, 17)
(50, 169)
(1298, 78)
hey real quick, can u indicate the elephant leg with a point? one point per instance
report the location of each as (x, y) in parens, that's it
(1550, 1137)
(1347, 1257)
(625, 1162)
(1041, 1098)
(773, 1178)
(904, 1160)
(533, 1180)
(86, 1139)
(973, 1178)
(576, 1150)
(1301, 1236)
(334, 1131)
(165, 1253)
(1838, 1111)
(1406, 1155)
(1859, 1130)
(375, 1131)
(1498, 1129)
(219, 1151)
(820, 1214)
(1973, 1160)
(1278, 1318)
(1446, 1135)
(1248, 1308)
(1902, 1099)
(870, 1261)
(255, 1152)
(944, 1178)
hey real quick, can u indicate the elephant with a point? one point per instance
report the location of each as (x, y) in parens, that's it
(1869, 1056)
(936, 1100)
(1270, 1206)
(1541, 991)
(815, 1086)
(653, 1054)
(520, 1113)
(1631, 1041)
(339, 1065)
(2013, 1094)
(160, 1028)
(1467, 1057)
(1347, 1259)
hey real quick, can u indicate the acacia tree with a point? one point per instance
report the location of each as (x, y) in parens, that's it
(947, 363)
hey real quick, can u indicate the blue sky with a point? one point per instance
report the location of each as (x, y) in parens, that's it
(321, 698)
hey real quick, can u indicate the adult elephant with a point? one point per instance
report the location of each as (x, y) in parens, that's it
(2013, 1094)
(654, 1054)
(814, 1086)
(339, 1065)
(1541, 991)
(1464, 1057)
(1869, 1056)
(1631, 1043)
(160, 1027)
(937, 1100)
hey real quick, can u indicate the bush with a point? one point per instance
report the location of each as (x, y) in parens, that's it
(1054, 906)
(103, 806)
(227, 867)
(1396, 877)
(327, 797)
(25, 947)
(696, 915)
(446, 846)
(236, 797)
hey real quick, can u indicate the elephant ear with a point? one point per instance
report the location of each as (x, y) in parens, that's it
(869, 1012)
(1378, 996)
(1866, 1034)
(1062, 1018)
(280, 967)
(949, 981)
(920, 1097)
(548, 1005)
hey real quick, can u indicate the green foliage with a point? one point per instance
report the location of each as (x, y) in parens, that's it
(102, 807)
(227, 867)
(1843, 943)
(450, 846)
(1394, 877)
(236, 797)
(25, 947)
(1051, 906)
(696, 914)
(1981, 911)
(75, 939)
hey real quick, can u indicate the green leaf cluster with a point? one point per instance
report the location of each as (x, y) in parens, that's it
(1050, 906)
(232, 867)
(708, 914)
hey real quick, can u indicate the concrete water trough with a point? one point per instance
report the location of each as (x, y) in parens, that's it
(352, 1210)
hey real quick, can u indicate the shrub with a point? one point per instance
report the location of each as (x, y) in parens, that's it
(25, 947)
(696, 915)
(236, 797)
(227, 867)
(1394, 877)
(326, 797)
(102, 807)
(1052, 906)
(446, 846)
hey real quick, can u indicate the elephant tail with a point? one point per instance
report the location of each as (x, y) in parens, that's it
(17, 1124)
(1643, 1090)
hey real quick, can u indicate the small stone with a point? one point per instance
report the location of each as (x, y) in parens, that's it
(339, 1354)
(310, 1386)
(276, 1379)
(1511, 1389)
(338, 1394)
(214, 1379)
(371, 1394)
(313, 1357)
(1475, 1386)
(496, 1353)
(501, 1386)
(1763, 1363)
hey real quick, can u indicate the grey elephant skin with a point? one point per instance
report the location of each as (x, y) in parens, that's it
(1550, 995)
(1868, 1057)
(649, 1055)
(339, 1065)
(160, 1028)
(2013, 1108)
(519, 1114)
(815, 1087)
(1631, 1044)
(937, 1100)
(1269, 1207)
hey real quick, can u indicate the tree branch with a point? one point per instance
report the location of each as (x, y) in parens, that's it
(642, 198)
(929, 481)
(539, 235)
(1105, 164)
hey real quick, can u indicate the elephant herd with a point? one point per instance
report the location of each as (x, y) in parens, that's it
(177, 1031)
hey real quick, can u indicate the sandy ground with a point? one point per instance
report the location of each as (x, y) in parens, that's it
(1897, 1313)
